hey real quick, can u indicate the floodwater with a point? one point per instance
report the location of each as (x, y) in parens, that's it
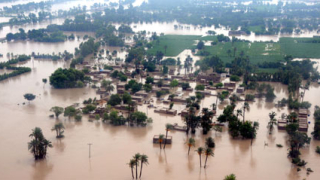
(187, 29)
(56, 6)
(14, 29)
(114, 146)
(158, 27)
(27, 47)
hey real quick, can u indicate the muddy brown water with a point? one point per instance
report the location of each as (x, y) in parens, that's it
(114, 146)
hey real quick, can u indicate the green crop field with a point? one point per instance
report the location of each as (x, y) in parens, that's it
(255, 28)
(257, 52)
(300, 47)
(175, 44)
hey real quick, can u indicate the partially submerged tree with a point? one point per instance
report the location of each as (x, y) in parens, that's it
(132, 164)
(39, 144)
(210, 142)
(160, 140)
(230, 177)
(44, 80)
(208, 152)
(107, 85)
(200, 152)
(57, 110)
(190, 142)
(174, 83)
(70, 111)
(59, 129)
(272, 121)
(143, 160)
(29, 97)
(168, 128)
(136, 158)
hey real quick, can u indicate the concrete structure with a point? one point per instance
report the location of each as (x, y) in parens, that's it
(121, 85)
(156, 139)
(142, 94)
(179, 128)
(165, 88)
(137, 98)
(282, 124)
(121, 107)
(204, 92)
(230, 84)
(101, 91)
(105, 72)
(240, 90)
(303, 120)
(166, 111)
(179, 99)
(176, 77)
(121, 90)
(185, 112)
(214, 77)
(211, 88)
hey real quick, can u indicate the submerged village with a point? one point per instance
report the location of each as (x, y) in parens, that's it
(160, 90)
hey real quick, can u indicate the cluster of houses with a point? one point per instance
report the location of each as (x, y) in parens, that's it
(302, 121)
(141, 97)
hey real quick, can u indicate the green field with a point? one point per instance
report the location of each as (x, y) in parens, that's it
(255, 28)
(258, 52)
(175, 44)
(298, 48)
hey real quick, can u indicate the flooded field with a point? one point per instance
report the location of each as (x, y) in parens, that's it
(113, 146)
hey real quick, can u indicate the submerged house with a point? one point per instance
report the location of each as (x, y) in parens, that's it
(206, 78)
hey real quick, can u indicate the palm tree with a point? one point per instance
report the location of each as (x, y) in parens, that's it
(214, 106)
(272, 121)
(165, 49)
(245, 107)
(46, 144)
(254, 130)
(44, 80)
(305, 87)
(208, 152)
(161, 137)
(190, 142)
(143, 160)
(136, 158)
(234, 98)
(131, 106)
(38, 145)
(239, 112)
(132, 163)
(168, 127)
(185, 67)
(58, 128)
(230, 177)
(36, 133)
(200, 152)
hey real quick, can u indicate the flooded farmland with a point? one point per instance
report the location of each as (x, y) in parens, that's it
(113, 146)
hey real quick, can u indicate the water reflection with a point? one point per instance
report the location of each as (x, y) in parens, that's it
(42, 169)
(59, 145)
